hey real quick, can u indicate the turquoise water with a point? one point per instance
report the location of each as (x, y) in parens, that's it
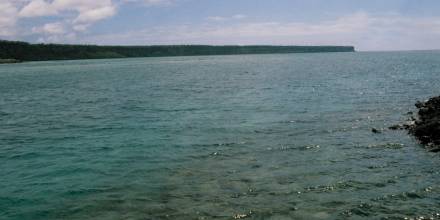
(256, 136)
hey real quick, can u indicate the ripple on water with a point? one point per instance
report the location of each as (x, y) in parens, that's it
(252, 137)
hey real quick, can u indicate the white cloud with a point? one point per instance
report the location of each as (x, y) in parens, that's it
(58, 38)
(225, 18)
(71, 15)
(8, 18)
(151, 2)
(38, 8)
(80, 27)
(56, 28)
(56, 32)
(217, 18)
(239, 16)
(70, 20)
(93, 15)
(87, 12)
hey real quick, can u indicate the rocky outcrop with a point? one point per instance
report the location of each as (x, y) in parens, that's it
(426, 128)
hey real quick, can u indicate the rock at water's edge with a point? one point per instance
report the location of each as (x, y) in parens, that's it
(427, 127)
(4, 61)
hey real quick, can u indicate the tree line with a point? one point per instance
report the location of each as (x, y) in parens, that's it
(38, 52)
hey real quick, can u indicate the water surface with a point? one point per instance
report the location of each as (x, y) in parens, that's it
(217, 137)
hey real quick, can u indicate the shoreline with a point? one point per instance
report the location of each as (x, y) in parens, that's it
(24, 51)
(171, 56)
(9, 61)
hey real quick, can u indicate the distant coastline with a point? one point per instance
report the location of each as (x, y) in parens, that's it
(4, 61)
(23, 51)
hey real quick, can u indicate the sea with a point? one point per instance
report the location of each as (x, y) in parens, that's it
(275, 136)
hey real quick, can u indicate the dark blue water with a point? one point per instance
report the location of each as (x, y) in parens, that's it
(256, 136)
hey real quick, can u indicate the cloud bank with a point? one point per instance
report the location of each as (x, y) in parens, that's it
(69, 21)
(72, 16)
(8, 18)
(366, 32)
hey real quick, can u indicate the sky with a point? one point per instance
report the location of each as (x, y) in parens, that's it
(368, 25)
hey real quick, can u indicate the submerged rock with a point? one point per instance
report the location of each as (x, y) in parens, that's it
(374, 130)
(427, 127)
(396, 127)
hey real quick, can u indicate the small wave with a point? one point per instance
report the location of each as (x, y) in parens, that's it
(346, 185)
(387, 145)
(226, 144)
(415, 194)
(379, 206)
(2, 113)
(177, 110)
(25, 156)
(300, 148)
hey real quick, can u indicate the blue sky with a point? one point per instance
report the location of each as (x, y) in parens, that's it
(366, 24)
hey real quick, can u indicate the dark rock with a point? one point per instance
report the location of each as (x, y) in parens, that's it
(374, 130)
(395, 127)
(435, 149)
(419, 104)
(427, 127)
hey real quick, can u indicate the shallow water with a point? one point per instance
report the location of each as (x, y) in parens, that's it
(256, 136)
